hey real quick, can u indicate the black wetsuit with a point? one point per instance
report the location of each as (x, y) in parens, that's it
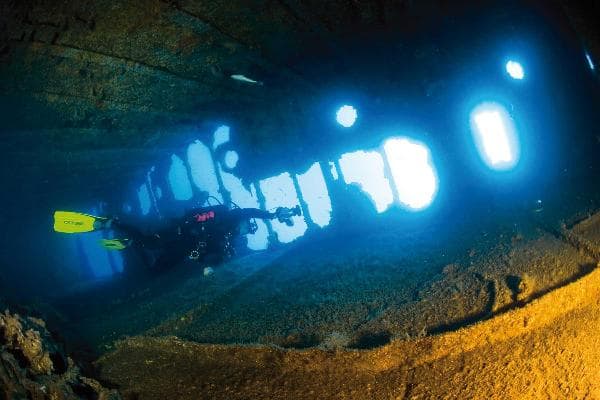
(204, 234)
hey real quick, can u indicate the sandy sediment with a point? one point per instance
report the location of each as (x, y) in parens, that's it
(360, 306)
(586, 235)
(548, 348)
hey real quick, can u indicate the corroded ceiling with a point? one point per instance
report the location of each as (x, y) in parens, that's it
(114, 66)
(94, 89)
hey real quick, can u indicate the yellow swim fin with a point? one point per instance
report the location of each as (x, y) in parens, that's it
(73, 222)
(115, 244)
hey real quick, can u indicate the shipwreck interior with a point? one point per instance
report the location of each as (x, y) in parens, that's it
(439, 163)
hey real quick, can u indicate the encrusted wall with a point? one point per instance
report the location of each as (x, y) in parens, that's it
(90, 92)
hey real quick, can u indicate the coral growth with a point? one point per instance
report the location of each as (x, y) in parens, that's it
(33, 366)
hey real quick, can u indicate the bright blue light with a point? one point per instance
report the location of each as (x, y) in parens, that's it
(315, 194)
(495, 136)
(413, 172)
(367, 170)
(515, 70)
(231, 159)
(178, 179)
(202, 169)
(590, 62)
(346, 116)
(144, 198)
(279, 191)
(221, 136)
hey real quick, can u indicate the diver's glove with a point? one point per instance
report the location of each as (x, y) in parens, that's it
(284, 214)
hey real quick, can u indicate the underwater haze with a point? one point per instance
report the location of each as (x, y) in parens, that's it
(287, 179)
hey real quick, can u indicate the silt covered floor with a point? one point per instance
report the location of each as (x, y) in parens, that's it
(502, 307)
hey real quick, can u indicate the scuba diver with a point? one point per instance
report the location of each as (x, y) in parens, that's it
(203, 234)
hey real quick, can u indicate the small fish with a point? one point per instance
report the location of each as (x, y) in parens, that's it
(242, 78)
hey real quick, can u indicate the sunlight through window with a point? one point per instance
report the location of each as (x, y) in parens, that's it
(221, 136)
(245, 198)
(315, 194)
(367, 170)
(279, 191)
(178, 179)
(346, 116)
(202, 169)
(495, 136)
(515, 70)
(144, 199)
(413, 172)
(231, 159)
(334, 172)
